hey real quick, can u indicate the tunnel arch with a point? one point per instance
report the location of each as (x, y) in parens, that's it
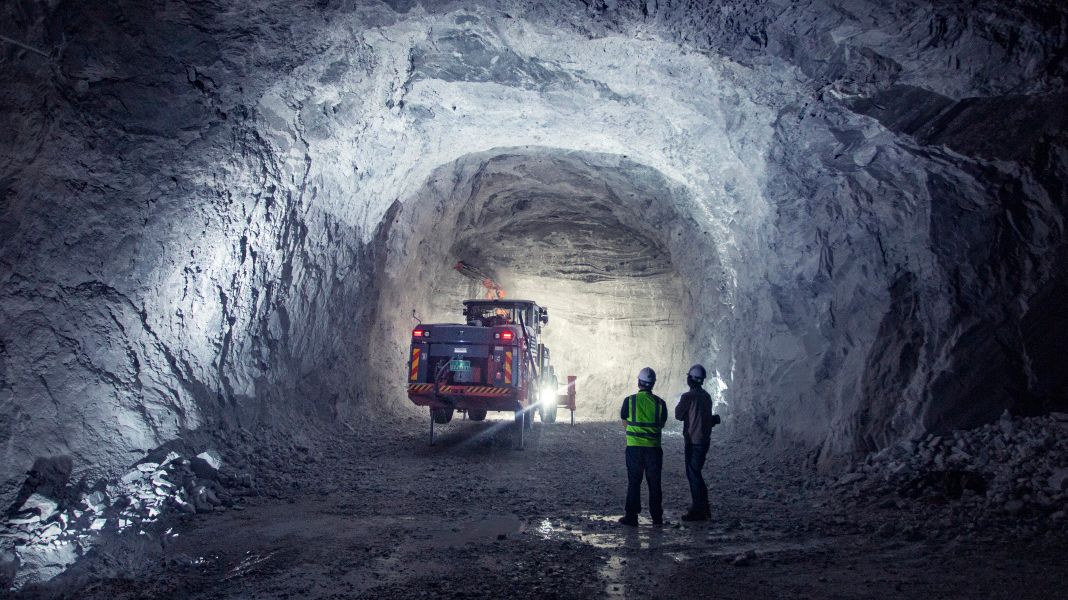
(842, 228)
(604, 242)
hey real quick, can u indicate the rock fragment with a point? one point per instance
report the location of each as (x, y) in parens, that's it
(1015, 468)
(849, 478)
(1058, 480)
(45, 507)
(745, 559)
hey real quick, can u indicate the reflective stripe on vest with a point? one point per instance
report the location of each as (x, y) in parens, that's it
(643, 420)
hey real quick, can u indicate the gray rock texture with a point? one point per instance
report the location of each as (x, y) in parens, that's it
(223, 214)
(1012, 470)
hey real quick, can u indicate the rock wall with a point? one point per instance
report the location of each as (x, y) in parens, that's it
(159, 271)
(201, 205)
(920, 208)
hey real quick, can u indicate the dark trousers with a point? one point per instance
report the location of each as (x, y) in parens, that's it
(695, 461)
(648, 462)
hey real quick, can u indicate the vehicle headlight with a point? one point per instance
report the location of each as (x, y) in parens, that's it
(548, 395)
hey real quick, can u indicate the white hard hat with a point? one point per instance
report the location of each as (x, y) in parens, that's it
(697, 372)
(646, 377)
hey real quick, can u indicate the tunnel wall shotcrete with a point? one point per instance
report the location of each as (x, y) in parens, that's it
(197, 202)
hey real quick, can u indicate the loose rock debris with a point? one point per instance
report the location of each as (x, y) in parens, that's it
(1011, 475)
(46, 537)
(387, 516)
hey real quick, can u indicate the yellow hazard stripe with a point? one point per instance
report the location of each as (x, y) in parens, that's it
(448, 389)
(508, 367)
(415, 364)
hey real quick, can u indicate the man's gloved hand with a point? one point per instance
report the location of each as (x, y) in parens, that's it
(716, 420)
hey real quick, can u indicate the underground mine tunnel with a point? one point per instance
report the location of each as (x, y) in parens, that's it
(220, 223)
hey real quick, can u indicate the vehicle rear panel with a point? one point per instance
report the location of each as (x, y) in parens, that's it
(466, 367)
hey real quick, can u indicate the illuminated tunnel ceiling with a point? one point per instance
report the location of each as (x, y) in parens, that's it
(565, 222)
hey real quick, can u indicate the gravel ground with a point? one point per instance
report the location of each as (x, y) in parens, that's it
(384, 515)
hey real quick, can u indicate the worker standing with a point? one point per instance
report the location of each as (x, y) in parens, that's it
(695, 411)
(645, 415)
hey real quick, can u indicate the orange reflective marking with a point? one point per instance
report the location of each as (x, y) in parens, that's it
(508, 367)
(415, 364)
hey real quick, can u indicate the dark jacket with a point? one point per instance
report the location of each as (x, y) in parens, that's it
(695, 410)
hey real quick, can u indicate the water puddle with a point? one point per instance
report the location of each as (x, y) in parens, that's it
(601, 531)
(488, 528)
(545, 529)
(675, 543)
(612, 574)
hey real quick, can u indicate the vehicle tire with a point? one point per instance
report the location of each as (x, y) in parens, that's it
(441, 415)
(476, 414)
(548, 413)
(543, 412)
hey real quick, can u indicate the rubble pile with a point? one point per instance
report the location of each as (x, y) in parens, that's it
(55, 521)
(1013, 471)
(46, 534)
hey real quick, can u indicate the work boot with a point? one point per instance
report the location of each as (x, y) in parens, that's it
(630, 522)
(695, 514)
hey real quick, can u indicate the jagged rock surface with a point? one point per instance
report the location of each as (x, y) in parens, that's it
(57, 523)
(1012, 473)
(225, 214)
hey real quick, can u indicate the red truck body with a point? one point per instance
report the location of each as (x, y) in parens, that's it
(493, 362)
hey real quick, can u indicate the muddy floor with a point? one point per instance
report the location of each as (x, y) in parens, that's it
(385, 515)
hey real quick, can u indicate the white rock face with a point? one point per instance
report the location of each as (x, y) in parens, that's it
(224, 214)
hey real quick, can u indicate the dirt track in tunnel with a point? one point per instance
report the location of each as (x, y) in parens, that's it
(387, 516)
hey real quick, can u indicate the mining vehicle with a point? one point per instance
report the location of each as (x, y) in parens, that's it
(494, 361)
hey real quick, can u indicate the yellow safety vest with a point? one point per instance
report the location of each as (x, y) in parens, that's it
(643, 420)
